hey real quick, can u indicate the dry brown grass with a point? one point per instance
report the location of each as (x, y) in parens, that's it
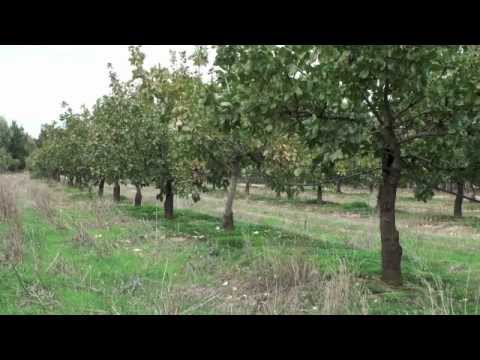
(438, 299)
(82, 237)
(343, 293)
(43, 201)
(13, 239)
(294, 285)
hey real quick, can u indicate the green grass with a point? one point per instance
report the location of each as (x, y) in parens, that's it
(145, 264)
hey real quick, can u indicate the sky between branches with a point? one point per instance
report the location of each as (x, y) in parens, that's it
(35, 79)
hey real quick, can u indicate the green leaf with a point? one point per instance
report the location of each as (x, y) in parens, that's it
(336, 155)
(292, 69)
(364, 74)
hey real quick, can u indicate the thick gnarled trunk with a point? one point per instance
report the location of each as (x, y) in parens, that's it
(168, 204)
(138, 196)
(391, 249)
(228, 224)
(116, 191)
(457, 210)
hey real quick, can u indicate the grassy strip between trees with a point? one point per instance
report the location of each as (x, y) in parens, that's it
(136, 262)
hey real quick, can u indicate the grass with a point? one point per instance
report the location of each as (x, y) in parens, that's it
(284, 256)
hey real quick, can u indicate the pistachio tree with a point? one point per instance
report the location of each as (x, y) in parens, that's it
(387, 94)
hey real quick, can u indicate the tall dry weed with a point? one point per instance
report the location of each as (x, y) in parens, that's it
(12, 239)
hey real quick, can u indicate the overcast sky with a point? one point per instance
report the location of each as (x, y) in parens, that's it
(34, 80)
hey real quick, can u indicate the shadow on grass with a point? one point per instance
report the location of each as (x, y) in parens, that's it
(357, 207)
(209, 228)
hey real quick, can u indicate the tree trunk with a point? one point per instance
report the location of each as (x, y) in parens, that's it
(70, 181)
(138, 196)
(214, 187)
(391, 249)
(116, 191)
(168, 204)
(279, 195)
(228, 214)
(457, 210)
(101, 186)
(56, 175)
(319, 194)
(247, 187)
(290, 193)
(371, 188)
(339, 187)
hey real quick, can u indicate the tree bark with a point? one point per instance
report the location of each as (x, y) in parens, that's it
(457, 210)
(116, 191)
(319, 194)
(290, 193)
(56, 175)
(101, 186)
(339, 187)
(279, 195)
(228, 224)
(370, 188)
(70, 181)
(247, 187)
(168, 204)
(391, 167)
(138, 196)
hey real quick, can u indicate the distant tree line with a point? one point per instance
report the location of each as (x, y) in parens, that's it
(15, 146)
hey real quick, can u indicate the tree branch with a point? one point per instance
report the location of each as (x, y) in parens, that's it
(372, 109)
(422, 135)
(410, 106)
(454, 193)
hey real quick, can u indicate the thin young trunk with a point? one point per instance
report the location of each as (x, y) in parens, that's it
(116, 191)
(371, 187)
(247, 187)
(56, 175)
(70, 181)
(228, 214)
(101, 186)
(391, 249)
(290, 193)
(319, 194)
(457, 210)
(339, 187)
(168, 204)
(138, 196)
(279, 195)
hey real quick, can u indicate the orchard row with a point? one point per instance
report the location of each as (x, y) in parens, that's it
(289, 115)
